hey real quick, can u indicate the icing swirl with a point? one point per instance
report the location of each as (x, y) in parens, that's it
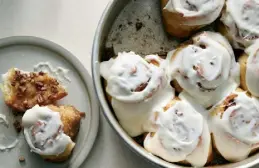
(201, 11)
(240, 118)
(137, 87)
(252, 70)
(43, 131)
(241, 20)
(180, 130)
(205, 69)
(235, 126)
(131, 79)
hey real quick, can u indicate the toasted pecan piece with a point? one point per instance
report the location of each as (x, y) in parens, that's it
(23, 90)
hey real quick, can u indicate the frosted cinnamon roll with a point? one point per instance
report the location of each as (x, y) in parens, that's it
(235, 126)
(182, 135)
(205, 68)
(137, 88)
(240, 22)
(249, 69)
(183, 17)
(49, 131)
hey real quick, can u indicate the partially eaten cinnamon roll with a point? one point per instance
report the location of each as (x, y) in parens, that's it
(182, 135)
(205, 68)
(137, 88)
(50, 131)
(183, 17)
(23, 90)
(235, 126)
(240, 22)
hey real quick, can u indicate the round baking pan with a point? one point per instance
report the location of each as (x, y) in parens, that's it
(25, 52)
(136, 25)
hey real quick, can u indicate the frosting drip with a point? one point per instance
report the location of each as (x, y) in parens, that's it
(60, 73)
(241, 18)
(205, 67)
(3, 120)
(138, 88)
(207, 10)
(7, 142)
(43, 131)
(252, 70)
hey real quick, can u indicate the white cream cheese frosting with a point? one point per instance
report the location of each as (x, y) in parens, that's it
(137, 88)
(12, 143)
(7, 142)
(252, 69)
(241, 18)
(43, 131)
(3, 120)
(237, 128)
(206, 69)
(182, 135)
(200, 12)
(59, 73)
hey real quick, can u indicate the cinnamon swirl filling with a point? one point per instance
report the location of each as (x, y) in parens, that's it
(181, 130)
(239, 117)
(204, 67)
(201, 11)
(43, 131)
(139, 87)
(241, 19)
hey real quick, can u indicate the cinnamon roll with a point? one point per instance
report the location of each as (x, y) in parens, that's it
(235, 126)
(205, 68)
(137, 88)
(249, 71)
(23, 90)
(240, 22)
(49, 131)
(182, 135)
(183, 17)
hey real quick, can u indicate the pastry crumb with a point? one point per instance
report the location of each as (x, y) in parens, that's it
(82, 114)
(21, 159)
(17, 125)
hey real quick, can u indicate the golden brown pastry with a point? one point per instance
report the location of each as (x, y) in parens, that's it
(23, 90)
(239, 22)
(235, 124)
(183, 17)
(205, 68)
(249, 69)
(50, 130)
(70, 118)
(182, 135)
(243, 65)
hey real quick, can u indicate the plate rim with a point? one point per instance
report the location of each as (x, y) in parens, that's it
(85, 77)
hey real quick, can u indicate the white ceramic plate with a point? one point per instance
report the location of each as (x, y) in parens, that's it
(24, 53)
